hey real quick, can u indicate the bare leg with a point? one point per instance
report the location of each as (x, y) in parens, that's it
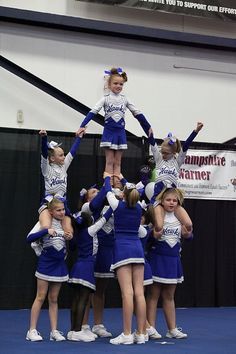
(117, 166)
(54, 289)
(124, 274)
(45, 219)
(140, 304)
(146, 289)
(153, 295)
(184, 218)
(99, 300)
(159, 218)
(110, 156)
(168, 302)
(42, 289)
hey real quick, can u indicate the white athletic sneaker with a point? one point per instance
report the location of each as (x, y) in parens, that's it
(33, 335)
(152, 333)
(78, 336)
(69, 334)
(146, 337)
(101, 331)
(123, 339)
(139, 338)
(87, 330)
(57, 336)
(176, 333)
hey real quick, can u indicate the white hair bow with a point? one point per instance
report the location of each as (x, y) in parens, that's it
(143, 205)
(53, 145)
(130, 185)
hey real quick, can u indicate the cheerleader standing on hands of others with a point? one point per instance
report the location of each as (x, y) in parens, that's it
(115, 105)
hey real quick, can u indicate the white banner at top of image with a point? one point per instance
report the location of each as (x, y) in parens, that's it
(221, 9)
(209, 174)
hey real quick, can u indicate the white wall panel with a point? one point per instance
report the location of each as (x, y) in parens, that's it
(172, 99)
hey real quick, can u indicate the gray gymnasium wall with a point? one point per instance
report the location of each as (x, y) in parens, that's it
(175, 86)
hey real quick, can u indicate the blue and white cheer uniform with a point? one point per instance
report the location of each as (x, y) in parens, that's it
(86, 241)
(167, 171)
(55, 175)
(104, 258)
(127, 229)
(51, 262)
(115, 106)
(164, 255)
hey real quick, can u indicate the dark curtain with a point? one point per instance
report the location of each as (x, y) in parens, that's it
(209, 261)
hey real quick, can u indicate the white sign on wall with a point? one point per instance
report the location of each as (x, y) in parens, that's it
(209, 174)
(223, 9)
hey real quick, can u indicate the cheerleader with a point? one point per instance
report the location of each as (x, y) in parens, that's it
(164, 259)
(54, 166)
(103, 274)
(51, 269)
(167, 173)
(147, 221)
(82, 273)
(93, 203)
(115, 105)
(128, 260)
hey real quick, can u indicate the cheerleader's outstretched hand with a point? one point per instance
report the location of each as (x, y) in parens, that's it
(43, 132)
(199, 127)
